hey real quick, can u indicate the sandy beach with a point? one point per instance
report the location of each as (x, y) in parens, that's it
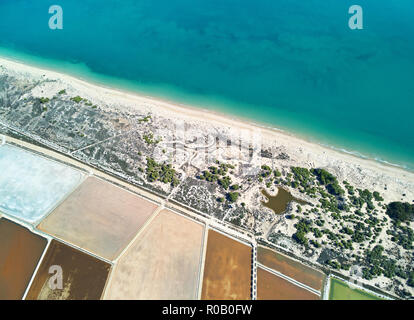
(359, 171)
(193, 128)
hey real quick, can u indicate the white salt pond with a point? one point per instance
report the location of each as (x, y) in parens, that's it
(31, 185)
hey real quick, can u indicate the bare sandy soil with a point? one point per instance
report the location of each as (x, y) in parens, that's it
(163, 262)
(272, 287)
(84, 276)
(99, 217)
(20, 252)
(227, 271)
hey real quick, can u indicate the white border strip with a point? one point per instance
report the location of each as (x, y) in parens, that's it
(36, 269)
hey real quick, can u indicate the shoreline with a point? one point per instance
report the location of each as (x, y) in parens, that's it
(207, 115)
(193, 127)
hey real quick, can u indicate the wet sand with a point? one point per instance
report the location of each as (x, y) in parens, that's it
(272, 287)
(20, 252)
(99, 217)
(290, 268)
(163, 263)
(84, 276)
(227, 271)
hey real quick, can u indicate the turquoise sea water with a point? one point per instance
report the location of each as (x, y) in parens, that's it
(290, 64)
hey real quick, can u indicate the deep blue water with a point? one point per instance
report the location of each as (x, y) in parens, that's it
(291, 64)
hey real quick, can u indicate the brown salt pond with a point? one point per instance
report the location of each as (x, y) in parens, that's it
(84, 276)
(280, 201)
(227, 270)
(291, 268)
(272, 287)
(20, 252)
(163, 262)
(99, 217)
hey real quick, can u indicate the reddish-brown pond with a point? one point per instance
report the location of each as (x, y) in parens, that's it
(272, 287)
(20, 252)
(227, 270)
(290, 268)
(83, 276)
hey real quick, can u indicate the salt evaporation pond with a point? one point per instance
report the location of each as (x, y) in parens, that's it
(30, 185)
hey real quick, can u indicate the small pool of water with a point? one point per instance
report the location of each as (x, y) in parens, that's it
(280, 201)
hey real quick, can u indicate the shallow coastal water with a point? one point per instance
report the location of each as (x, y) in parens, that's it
(292, 64)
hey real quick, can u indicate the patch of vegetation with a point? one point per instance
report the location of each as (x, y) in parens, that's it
(400, 211)
(324, 176)
(403, 236)
(161, 172)
(145, 119)
(302, 176)
(232, 196)
(354, 222)
(208, 176)
(43, 100)
(219, 174)
(377, 196)
(76, 99)
(410, 281)
(302, 228)
(265, 172)
(225, 182)
(378, 264)
(149, 138)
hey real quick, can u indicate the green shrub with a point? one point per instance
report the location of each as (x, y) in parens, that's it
(400, 211)
(232, 196)
(77, 99)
